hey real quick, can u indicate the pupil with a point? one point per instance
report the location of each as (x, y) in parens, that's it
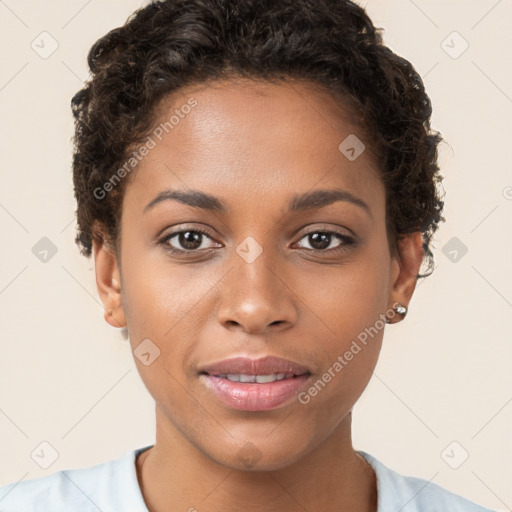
(190, 239)
(320, 240)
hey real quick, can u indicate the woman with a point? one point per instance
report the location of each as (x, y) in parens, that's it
(257, 184)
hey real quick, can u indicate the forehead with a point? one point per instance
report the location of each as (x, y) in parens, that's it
(248, 139)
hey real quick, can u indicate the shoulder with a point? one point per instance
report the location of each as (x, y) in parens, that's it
(109, 486)
(411, 494)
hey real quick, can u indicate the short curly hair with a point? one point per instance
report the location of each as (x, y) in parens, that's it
(169, 44)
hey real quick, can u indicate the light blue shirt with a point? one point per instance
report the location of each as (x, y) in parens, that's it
(112, 486)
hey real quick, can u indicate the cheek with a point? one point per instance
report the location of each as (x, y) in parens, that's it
(164, 303)
(158, 295)
(349, 355)
(344, 311)
(349, 297)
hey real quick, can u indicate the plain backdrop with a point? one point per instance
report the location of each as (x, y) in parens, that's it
(442, 390)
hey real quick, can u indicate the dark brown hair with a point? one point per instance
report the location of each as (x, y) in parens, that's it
(333, 43)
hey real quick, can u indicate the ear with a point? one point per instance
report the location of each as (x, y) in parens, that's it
(108, 281)
(405, 267)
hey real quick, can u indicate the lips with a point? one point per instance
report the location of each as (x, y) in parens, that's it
(253, 396)
(247, 366)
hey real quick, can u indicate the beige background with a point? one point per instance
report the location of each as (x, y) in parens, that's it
(68, 378)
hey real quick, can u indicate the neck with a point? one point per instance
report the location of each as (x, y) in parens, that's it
(332, 477)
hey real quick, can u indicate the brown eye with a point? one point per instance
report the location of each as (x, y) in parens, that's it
(323, 241)
(188, 240)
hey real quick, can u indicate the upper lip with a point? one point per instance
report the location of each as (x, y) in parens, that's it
(248, 366)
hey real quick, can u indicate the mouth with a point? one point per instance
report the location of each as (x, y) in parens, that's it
(246, 369)
(255, 392)
(255, 384)
(245, 378)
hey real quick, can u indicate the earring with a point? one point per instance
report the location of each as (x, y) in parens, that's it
(401, 310)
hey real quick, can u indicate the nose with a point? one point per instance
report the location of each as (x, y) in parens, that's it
(255, 296)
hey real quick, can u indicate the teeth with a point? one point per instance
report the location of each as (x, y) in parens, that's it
(261, 379)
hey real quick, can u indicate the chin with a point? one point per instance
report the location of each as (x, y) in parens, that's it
(254, 456)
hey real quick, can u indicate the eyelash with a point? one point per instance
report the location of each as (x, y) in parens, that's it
(347, 241)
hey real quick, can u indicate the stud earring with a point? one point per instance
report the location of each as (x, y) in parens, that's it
(401, 310)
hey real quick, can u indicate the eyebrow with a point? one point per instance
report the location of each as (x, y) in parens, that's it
(299, 202)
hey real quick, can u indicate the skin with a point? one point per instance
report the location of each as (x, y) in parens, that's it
(254, 145)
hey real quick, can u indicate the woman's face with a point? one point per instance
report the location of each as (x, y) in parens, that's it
(276, 274)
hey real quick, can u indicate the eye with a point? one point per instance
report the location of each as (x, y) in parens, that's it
(187, 240)
(322, 241)
(195, 240)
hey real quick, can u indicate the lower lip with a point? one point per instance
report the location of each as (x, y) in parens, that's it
(254, 396)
